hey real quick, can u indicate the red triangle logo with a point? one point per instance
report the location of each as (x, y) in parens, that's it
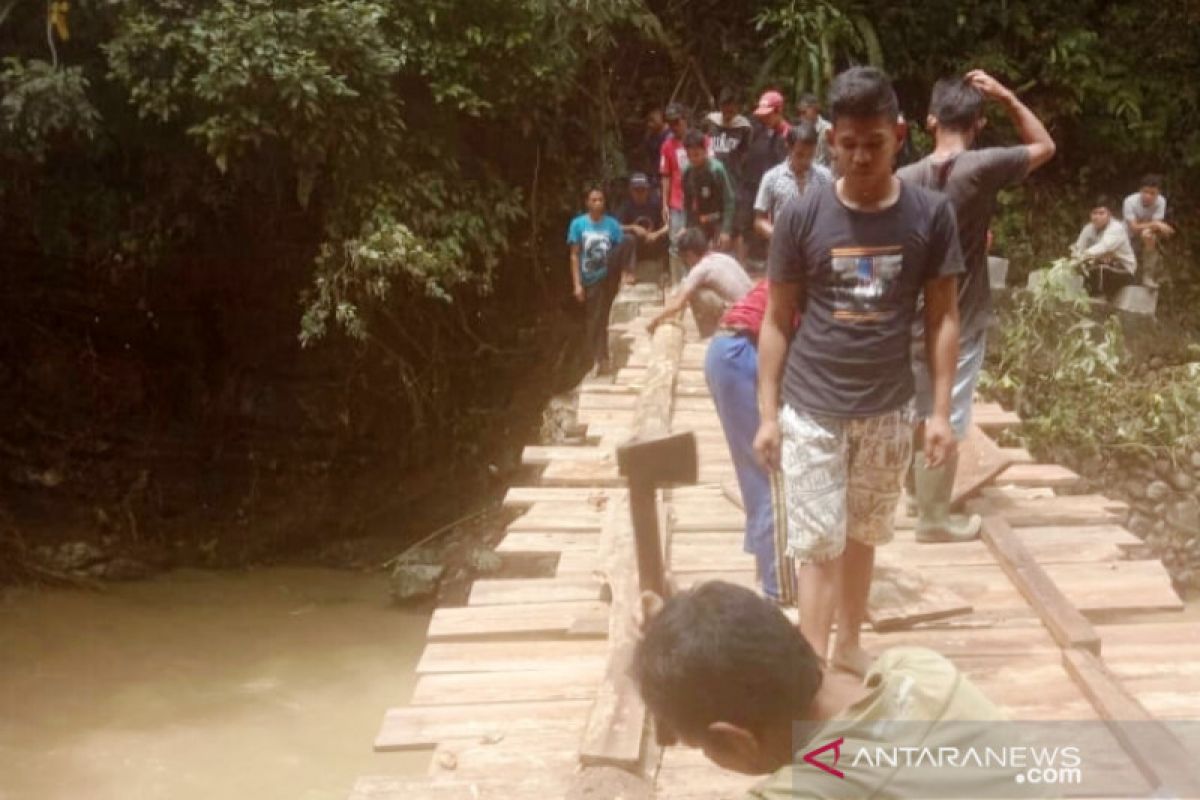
(836, 747)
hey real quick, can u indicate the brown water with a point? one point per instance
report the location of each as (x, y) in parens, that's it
(265, 684)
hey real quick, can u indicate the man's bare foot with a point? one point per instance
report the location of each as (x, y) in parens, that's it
(853, 659)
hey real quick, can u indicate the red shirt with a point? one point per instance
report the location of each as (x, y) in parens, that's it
(672, 161)
(747, 314)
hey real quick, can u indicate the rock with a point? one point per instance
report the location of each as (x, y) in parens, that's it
(1196, 459)
(73, 556)
(1158, 491)
(1163, 468)
(1156, 363)
(412, 582)
(1182, 481)
(126, 569)
(1135, 489)
(1093, 466)
(1185, 516)
(485, 561)
(1140, 524)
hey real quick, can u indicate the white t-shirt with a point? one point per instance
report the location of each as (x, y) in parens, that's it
(1134, 211)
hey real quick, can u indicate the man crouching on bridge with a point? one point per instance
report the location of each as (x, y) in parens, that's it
(723, 669)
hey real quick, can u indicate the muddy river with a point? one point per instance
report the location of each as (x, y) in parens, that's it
(264, 684)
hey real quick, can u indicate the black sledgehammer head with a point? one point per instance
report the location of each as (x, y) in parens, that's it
(663, 459)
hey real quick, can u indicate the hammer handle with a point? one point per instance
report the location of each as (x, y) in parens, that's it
(648, 543)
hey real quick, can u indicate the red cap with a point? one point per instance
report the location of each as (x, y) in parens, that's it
(770, 101)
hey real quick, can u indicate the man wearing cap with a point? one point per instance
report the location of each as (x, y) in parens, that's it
(671, 164)
(641, 222)
(768, 147)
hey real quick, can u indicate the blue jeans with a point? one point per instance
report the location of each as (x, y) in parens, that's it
(731, 370)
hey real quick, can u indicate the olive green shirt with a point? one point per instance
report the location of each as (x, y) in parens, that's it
(915, 695)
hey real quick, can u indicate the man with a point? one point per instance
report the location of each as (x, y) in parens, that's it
(729, 132)
(724, 671)
(717, 272)
(855, 257)
(1103, 249)
(768, 147)
(971, 179)
(592, 237)
(708, 197)
(731, 372)
(642, 225)
(656, 133)
(791, 179)
(809, 108)
(1145, 212)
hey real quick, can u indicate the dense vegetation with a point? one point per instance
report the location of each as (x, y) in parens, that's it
(241, 234)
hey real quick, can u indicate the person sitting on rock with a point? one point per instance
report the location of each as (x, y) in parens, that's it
(1104, 251)
(1145, 214)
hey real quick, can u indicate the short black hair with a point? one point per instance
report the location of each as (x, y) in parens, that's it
(694, 138)
(594, 187)
(693, 240)
(720, 653)
(803, 131)
(1102, 201)
(807, 99)
(862, 93)
(728, 95)
(1151, 181)
(675, 111)
(956, 104)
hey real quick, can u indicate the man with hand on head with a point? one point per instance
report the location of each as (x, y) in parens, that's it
(836, 399)
(971, 179)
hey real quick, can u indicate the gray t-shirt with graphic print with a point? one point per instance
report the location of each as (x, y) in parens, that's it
(862, 275)
(971, 180)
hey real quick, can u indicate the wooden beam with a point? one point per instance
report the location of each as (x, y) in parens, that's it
(1167, 765)
(1065, 622)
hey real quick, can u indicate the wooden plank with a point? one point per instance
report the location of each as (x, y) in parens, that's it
(616, 726)
(532, 655)
(522, 496)
(533, 590)
(980, 460)
(1162, 759)
(1018, 455)
(582, 473)
(1064, 621)
(993, 419)
(1069, 510)
(560, 683)
(526, 542)
(538, 455)
(426, 726)
(393, 788)
(554, 619)
(1051, 475)
(902, 598)
(460, 760)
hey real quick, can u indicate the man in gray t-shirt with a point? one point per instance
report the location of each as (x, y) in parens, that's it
(971, 179)
(1145, 213)
(853, 257)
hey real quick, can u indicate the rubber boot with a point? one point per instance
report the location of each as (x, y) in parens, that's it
(935, 523)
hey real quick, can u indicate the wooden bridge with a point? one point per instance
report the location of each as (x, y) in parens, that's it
(1058, 613)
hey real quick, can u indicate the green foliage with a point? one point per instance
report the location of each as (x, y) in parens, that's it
(1076, 382)
(811, 41)
(41, 106)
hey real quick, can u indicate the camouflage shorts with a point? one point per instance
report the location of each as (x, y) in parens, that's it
(842, 476)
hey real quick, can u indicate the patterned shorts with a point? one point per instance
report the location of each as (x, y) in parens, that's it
(842, 476)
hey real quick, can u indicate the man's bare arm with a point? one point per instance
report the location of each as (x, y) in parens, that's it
(941, 350)
(762, 225)
(773, 341)
(1033, 133)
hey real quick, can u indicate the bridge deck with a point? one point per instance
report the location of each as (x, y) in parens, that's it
(1066, 614)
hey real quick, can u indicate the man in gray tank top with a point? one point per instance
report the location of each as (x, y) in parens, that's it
(971, 179)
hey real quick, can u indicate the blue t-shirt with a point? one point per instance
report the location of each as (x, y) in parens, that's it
(596, 240)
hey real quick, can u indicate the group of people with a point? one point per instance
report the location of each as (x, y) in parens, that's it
(1125, 252)
(866, 336)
